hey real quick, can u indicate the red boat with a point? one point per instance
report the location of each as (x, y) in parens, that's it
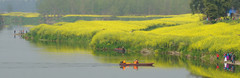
(140, 64)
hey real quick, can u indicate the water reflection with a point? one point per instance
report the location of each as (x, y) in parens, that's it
(195, 66)
(63, 46)
(1, 23)
(125, 67)
(1, 27)
(21, 65)
(34, 57)
(229, 67)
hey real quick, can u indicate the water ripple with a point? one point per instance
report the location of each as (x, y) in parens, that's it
(15, 65)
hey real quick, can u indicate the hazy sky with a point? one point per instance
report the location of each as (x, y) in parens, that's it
(18, 5)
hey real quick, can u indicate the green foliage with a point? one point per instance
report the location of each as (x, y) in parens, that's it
(197, 6)
(235, 4)
(19, 20)
(212, 8)
(190, 37)
(1, 20)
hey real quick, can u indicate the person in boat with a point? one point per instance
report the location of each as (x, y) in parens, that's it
(123, 62)
(136, 61)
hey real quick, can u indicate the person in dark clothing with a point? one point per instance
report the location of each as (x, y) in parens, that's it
(230, 56)
(136, 61)
(233, 58)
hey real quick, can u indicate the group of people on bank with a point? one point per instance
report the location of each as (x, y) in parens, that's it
(20, 32)
(228, 57)
(229, 67)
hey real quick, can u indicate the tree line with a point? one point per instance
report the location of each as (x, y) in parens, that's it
(113, 7)
(214, 8)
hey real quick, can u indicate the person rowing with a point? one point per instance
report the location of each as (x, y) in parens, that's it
(136, 61)
(123, 62)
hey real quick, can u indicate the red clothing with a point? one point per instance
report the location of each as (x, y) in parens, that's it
(124, 67)
(135, 67)
(217, 55)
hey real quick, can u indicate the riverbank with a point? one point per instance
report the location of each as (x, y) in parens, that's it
(161, 61)
(185, 34)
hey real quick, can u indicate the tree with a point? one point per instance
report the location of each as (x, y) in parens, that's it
(197, 6)
(212, 8)
(236, 4)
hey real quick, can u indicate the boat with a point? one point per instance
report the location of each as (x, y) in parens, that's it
(119, 50)
(140, 64)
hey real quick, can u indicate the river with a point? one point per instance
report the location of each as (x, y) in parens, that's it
(20, 58)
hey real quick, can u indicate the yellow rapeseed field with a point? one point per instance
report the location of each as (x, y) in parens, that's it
(183, 33)
(76, 15)
(21, 14)
(178, 32)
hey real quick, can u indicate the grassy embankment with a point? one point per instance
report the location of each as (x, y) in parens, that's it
(19, 18)
(190, 36)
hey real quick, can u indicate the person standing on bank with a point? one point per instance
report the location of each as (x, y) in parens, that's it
(217, 56)
(233, 58)
(225, 57)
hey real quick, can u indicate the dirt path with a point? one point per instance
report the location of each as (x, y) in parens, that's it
(236, 63)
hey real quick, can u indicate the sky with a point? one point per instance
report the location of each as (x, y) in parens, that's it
(18, 5)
